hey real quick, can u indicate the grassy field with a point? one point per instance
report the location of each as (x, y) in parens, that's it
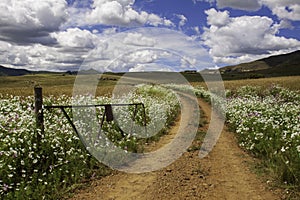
(56, 84)
(50, 166)
(290, 82)
(53, 84)
(58, 87)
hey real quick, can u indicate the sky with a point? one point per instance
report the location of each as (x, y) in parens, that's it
(141, 35)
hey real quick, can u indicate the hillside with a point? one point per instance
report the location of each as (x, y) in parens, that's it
(4, 71)
(280, 65)
(274, 66)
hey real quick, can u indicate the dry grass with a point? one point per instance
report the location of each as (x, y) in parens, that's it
(290, 82)
(52, 84)
(56, 84)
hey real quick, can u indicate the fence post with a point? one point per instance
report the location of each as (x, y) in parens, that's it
(38, 110)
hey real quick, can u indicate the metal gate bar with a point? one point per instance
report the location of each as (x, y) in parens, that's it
(39, 114)
(107, 113)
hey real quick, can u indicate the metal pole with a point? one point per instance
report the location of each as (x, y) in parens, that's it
(38, 109)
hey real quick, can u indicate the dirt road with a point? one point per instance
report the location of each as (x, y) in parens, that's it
(223, 174)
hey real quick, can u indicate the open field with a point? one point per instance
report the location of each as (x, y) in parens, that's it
(271, 114)
(33, 167)
(289, 82)
(56, 84)
(53, 84)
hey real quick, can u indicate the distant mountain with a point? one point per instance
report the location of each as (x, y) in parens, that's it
(280, 65)
(4, 71)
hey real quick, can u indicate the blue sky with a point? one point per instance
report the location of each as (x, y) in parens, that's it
(59, 35)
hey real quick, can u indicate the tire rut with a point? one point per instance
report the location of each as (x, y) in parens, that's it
(223, 174)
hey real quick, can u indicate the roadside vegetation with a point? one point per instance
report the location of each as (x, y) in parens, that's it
(47, 168)
(266, 121)
(264, 113)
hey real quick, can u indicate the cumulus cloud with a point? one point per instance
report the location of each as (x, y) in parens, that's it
(121, 13)
(154, 47)
(39, 57)
(216, 18)
(243, 38)
(284, 9)
(40, 35)
(289, 9)
(76, 38)
(30, 21)
(110, 31)
(138, 39)
(141, 56)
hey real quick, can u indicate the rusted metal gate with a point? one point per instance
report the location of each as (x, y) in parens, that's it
(107, 115)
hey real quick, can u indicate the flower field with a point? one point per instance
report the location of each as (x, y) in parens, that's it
(46, 168)
(267, 123)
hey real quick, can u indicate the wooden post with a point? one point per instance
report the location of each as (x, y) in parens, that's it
(38, 109)
(108, 113)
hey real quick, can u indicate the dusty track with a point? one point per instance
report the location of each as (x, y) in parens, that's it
(223, 174)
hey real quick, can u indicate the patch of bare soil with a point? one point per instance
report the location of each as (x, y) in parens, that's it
(223, 174)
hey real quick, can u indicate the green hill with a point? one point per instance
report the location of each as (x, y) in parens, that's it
(4, 71)
(280, 65)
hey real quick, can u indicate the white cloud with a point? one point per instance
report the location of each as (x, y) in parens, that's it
(284, 9)
(245, 37)
(42, 35)
(182, 21)
(29, 21)
(121, 12)
(288, 9)
(138, 39)
(170, 48)
(141, 56)
(76, 38)
(216, 18)
(284, 24)
(196, 29)
(39, 57)
(187, 62)
(151, 67)
(109, 31)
